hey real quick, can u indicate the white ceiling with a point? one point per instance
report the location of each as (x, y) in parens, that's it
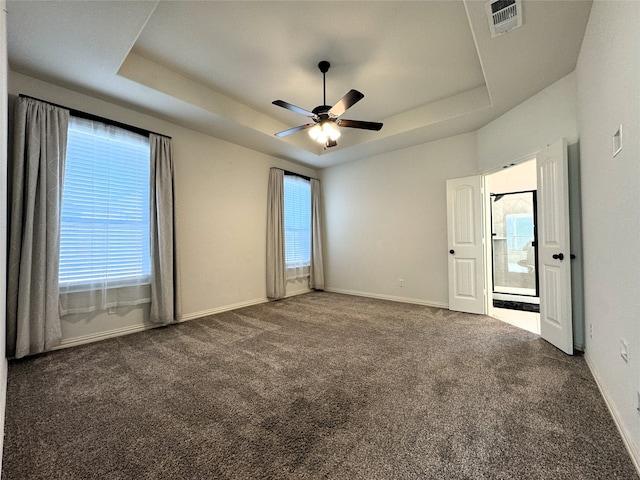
(428, 69)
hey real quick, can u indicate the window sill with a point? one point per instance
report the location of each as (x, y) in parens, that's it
(97, 286)
(96, 299)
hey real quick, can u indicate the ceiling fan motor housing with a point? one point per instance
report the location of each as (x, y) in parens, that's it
(322, 112)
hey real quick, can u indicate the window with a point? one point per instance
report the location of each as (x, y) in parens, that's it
(105, 241)
(297, 225)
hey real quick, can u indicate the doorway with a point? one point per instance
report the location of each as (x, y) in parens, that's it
(512, 255)
(513, 244)
(470, 279)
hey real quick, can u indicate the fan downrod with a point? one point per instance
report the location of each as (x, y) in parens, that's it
(324, 68)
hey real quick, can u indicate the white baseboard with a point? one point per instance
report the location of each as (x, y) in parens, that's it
(392, 298)
(633, 453)
(94, 337)
(225, 308)
(118, 332)
(295, 294)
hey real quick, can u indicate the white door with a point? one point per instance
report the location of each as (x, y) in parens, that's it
(466, 252)
(553, 247)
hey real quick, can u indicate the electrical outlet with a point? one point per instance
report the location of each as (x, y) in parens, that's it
(591, 330)
(624, 350)
(401, 282)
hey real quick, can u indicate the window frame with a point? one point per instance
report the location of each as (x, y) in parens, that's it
(95, 282)
(305, 262)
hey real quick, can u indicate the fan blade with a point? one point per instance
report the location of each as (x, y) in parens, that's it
(294, 130)
(343, 122)
(350, 99)
(293, 108)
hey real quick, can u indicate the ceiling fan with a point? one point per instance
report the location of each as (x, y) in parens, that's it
(326, 121)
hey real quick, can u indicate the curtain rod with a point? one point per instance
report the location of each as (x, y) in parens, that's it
(90, 116)
(288, 172)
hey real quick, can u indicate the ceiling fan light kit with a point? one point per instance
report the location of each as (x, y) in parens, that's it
(326, 119)
(325, 131)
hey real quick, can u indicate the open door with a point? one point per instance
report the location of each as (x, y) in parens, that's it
(466, 251)
(553, 246)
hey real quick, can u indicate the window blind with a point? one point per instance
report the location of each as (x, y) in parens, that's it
(105, 207)
(297, 222)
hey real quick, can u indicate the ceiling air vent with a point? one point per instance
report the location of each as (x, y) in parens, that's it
(504, 15)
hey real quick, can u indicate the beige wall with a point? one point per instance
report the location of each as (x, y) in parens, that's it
(518, 178)
(608, 80)
(386, 220)
(221, 192)
(523, 131)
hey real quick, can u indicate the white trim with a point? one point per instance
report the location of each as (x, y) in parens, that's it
(225, 308)
(392, 298)
(295, 294)
(119, 332)
(633, 453)
(523, 159)
(94, 337)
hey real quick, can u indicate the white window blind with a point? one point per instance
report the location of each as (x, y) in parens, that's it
(105, 242)
(297, 225)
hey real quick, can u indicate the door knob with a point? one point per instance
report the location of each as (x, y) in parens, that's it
(558, 256)
(452, 251)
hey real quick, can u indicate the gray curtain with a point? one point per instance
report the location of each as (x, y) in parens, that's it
(316, 272)
(276, 286)
(165, 298)
(37, 175)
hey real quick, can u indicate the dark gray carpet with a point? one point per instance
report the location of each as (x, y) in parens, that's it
(317, 386)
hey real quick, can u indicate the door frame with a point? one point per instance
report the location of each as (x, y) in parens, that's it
(488, 254)
(535, 237)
